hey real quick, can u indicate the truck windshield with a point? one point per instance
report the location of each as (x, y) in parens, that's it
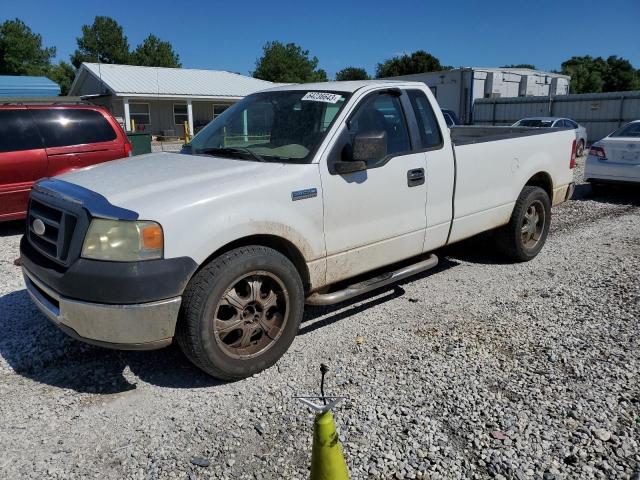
(284, 126)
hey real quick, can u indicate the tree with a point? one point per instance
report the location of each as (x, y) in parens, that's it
(288, 64)
(103, 42)
(352, 73)
(521, 65)
(418, 62)
(586, 74)
(620, 75)
(21, 50)
(63, 74)
(154, 52)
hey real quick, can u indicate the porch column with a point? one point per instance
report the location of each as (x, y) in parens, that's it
(190, 117)
(245, 125)
(127, 118)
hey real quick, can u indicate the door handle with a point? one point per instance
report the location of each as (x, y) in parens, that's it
(415, 177)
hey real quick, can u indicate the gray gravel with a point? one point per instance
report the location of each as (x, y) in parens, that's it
(480, 369)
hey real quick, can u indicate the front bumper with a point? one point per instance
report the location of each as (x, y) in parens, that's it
(142, 326)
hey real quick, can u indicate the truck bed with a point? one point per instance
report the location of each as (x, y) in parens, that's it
(494, 163)
(467, 134)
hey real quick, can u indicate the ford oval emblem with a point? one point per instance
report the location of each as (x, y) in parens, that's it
(38, 227)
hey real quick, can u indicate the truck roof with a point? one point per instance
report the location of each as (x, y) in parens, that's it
(350, 86)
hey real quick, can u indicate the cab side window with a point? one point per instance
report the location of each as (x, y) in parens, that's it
(430, 136)
(382, 113)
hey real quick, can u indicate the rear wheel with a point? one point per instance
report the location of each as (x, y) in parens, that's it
(526, 233)
(241, 312)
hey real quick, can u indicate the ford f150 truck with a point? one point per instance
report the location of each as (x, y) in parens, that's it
(310, 193)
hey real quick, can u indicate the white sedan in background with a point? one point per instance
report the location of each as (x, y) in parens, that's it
(615, 158)
(557, 122)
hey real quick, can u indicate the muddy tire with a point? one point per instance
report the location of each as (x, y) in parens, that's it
(525, 234)
(240, 313)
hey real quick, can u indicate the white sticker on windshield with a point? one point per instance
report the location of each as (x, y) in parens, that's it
(325, 97)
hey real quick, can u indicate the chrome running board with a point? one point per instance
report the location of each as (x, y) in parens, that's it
(372, 283)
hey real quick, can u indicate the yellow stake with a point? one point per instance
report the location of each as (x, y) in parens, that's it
(327, 462)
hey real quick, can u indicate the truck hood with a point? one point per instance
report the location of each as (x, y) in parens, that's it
(148, 183)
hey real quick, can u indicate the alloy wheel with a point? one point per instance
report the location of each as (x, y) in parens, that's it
(533, 224)
(251, 315)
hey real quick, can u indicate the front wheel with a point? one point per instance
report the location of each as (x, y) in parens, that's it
(525, 234)
(241, 312)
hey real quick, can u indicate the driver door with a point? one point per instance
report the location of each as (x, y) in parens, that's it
(376, 216)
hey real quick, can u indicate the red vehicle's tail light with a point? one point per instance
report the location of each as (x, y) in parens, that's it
(128, 150)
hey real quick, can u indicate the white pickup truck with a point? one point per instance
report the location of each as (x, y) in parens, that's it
(281, 201)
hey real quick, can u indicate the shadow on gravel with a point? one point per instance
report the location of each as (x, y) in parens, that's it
(311, 322)
(15, 227)
(613, 194)
(34, 348)
(479, 249)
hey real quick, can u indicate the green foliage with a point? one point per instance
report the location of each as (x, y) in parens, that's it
(620, 75)
(22, 53)
(288, 64)
(63, 74)
(521, 65)
(418, 62)
(21, 50)
(103, 41)
(352, 73)
(593, 75)
(154, 52)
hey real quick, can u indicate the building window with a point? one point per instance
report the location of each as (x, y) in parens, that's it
(180, 114)
(139, 113)
(218, 110)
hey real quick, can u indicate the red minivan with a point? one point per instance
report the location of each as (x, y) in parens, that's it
(39, 141)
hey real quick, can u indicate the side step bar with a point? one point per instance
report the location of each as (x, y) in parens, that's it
(372, 283)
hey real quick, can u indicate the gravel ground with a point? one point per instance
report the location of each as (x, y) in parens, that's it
(479, 369)
(174, 146)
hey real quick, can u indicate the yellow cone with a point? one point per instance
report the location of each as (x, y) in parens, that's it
(327, 462)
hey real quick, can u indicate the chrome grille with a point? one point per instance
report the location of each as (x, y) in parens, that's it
(59, 225)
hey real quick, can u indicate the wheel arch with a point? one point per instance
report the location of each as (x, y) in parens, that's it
(279, 244)
(542, 180)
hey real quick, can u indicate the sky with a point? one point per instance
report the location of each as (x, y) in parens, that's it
(229, 35)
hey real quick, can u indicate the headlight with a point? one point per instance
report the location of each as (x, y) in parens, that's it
(123, 241)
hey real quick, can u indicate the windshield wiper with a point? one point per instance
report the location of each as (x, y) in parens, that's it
(228, 150)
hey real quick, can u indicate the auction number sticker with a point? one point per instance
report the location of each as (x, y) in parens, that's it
(325, 97)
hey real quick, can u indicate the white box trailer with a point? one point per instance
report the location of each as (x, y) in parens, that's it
(459, 88)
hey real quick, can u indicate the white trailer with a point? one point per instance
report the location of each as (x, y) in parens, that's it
(459, 88)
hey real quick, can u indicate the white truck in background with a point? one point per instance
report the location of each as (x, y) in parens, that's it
(280, 201)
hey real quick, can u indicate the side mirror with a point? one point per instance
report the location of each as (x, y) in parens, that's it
(342, 168)
(369, 146)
